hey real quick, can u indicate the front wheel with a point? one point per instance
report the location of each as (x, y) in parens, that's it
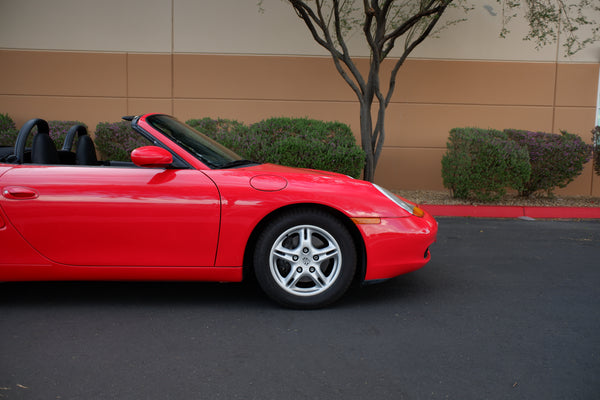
(305, 259)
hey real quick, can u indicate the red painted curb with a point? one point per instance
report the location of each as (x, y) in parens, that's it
(562, 212)
(511, 211)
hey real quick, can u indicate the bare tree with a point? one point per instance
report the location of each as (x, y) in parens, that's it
(387, 24)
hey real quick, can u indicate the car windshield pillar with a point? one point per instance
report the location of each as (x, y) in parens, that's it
(205, 149)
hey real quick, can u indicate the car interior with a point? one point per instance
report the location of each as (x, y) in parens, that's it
(43, 150)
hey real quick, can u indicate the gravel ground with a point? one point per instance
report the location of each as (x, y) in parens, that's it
(443, 197)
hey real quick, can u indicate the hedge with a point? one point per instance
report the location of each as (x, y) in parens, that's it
(480, 164)
(294, 142)
(8, 131)
(59, 129)
(116, 140)
(555, 159)
(225, 131)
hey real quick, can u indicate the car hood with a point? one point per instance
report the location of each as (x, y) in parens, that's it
(280, 170)
(353, 197)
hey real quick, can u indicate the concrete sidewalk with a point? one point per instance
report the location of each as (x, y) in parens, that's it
(512, 211)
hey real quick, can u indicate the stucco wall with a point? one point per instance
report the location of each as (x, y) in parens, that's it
(96, 61)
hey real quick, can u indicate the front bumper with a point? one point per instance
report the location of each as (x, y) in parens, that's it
(397, 245)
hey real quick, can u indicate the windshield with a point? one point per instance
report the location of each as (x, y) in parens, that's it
(207, 150)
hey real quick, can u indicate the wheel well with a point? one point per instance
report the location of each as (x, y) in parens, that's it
(359, 244)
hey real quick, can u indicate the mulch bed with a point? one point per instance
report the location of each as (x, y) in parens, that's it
(444, 198)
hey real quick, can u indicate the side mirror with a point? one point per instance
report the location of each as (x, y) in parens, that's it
(151, 157)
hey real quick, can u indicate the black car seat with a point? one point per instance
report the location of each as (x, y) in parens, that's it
(43, 149)
(86, 151)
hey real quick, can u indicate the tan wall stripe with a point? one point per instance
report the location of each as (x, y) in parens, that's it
(432, 97)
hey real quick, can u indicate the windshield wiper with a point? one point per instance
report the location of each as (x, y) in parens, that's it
(238, 163)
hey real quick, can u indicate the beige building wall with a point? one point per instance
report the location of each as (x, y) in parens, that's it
(96, 61)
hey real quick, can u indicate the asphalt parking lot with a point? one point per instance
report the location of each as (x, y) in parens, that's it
(507, 309)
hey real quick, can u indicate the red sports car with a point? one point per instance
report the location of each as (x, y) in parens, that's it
(186, 208)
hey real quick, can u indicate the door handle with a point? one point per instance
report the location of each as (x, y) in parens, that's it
(19, 193)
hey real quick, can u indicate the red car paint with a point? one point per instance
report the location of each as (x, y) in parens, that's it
(75, 222)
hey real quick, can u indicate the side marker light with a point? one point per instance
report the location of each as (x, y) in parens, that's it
(417, 212)
(365, 221)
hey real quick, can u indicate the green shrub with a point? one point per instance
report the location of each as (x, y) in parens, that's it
(294, 142)
(115, 141)
(556, 160)
(307, 143)
(8, 131)
(225, 131)
(481, 163)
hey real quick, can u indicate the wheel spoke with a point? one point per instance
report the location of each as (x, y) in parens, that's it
(319, 279)
(290, 255)
(292, 279)
(306, 238)
(327, 252)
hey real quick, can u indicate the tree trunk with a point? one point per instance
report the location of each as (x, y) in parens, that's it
(371, 136)
(366, 134)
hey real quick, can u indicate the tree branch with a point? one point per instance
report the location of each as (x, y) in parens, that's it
(311, 19)
(406, 53)
(435, 12)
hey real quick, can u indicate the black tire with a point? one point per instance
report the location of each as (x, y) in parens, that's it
(305, 259)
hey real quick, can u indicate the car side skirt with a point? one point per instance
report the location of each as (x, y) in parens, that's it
(14, 273)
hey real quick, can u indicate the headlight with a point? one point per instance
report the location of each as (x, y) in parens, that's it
(409, 208)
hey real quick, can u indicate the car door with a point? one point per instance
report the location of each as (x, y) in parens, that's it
(113, 216)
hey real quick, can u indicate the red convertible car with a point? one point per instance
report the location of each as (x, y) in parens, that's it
(186, 208)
